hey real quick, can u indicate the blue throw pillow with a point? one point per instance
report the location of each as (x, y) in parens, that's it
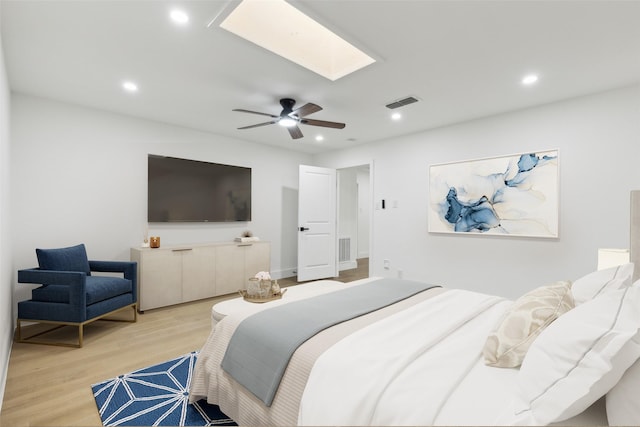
(73, 258)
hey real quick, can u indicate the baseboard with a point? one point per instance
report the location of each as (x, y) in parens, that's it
(5, 374)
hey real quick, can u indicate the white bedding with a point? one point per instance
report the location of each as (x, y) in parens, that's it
(422, 366)
(403, 370)
(416, 364)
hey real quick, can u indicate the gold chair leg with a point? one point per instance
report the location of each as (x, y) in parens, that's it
(30, 339)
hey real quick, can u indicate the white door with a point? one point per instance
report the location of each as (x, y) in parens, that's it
(317, 241)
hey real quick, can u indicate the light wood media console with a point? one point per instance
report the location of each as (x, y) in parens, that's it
(175, 274)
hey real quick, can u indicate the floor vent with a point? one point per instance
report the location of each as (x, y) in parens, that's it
(402, 102)
(344, 249)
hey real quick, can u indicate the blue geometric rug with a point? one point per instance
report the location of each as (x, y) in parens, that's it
(156, 396)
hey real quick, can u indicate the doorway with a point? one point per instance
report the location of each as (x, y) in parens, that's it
(354, 222)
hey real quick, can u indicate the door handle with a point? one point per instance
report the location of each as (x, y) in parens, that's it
(303, 229)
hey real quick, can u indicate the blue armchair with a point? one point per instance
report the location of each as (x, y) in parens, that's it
(71, 296)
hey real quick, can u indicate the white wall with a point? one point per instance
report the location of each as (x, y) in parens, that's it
(6, 270)
(80, 175)
(598, 138)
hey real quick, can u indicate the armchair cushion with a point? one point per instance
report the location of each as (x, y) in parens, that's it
(98, 288)
(73, 258)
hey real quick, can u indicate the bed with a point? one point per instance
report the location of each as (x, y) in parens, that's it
(446, 357)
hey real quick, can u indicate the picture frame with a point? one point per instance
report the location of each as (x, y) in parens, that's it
(514, 195)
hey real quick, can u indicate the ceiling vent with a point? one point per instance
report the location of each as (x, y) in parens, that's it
(402, 102)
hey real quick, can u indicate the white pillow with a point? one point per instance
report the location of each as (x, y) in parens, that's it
(507, 345)
(578, 358)
(593, 284)
(623, 400)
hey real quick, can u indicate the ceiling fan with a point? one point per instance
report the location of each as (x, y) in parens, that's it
(290, 118)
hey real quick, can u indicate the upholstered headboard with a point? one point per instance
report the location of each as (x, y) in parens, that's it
(634, 237)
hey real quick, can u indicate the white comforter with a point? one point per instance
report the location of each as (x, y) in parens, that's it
(408, 368)
(419, 364)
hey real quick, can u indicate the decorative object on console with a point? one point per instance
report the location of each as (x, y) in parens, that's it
(515, 195)
(145, 237)
(154, 241)
(70, 295)
(247, 239)
(247, 236)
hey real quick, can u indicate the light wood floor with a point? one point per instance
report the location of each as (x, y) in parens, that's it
(51, 386)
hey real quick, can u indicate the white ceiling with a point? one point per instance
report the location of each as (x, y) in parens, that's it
(462, 59)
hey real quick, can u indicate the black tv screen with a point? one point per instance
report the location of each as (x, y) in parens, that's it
(181, 190)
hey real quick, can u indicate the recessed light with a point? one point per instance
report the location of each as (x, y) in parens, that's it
(396, 116)
(179, 17)
(529, 79)
(319, 138)
(130, 86)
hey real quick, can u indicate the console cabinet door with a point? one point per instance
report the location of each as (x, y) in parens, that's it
(161, 278)
(257, 258)
(198, 273)
(230, 275)
(235, 264)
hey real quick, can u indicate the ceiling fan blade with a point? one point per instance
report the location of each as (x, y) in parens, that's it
(255, 112)
(322, 123)
(295, 132)
(259, 124)
(307, 109)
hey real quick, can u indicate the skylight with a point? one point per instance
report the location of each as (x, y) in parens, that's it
(281, 28)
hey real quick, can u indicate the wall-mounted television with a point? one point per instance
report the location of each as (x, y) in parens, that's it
(182, 190)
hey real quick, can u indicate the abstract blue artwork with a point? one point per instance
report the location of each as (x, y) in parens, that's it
(515, 195)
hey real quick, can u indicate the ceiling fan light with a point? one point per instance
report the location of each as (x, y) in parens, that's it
(287, 122)
(179, 17)
(530, 79)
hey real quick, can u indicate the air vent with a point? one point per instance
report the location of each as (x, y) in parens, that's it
(402, 102)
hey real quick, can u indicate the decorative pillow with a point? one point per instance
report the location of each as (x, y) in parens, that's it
(73, 258)
(578, 358)
(598, 282)
(623, 400)
(527, 317)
